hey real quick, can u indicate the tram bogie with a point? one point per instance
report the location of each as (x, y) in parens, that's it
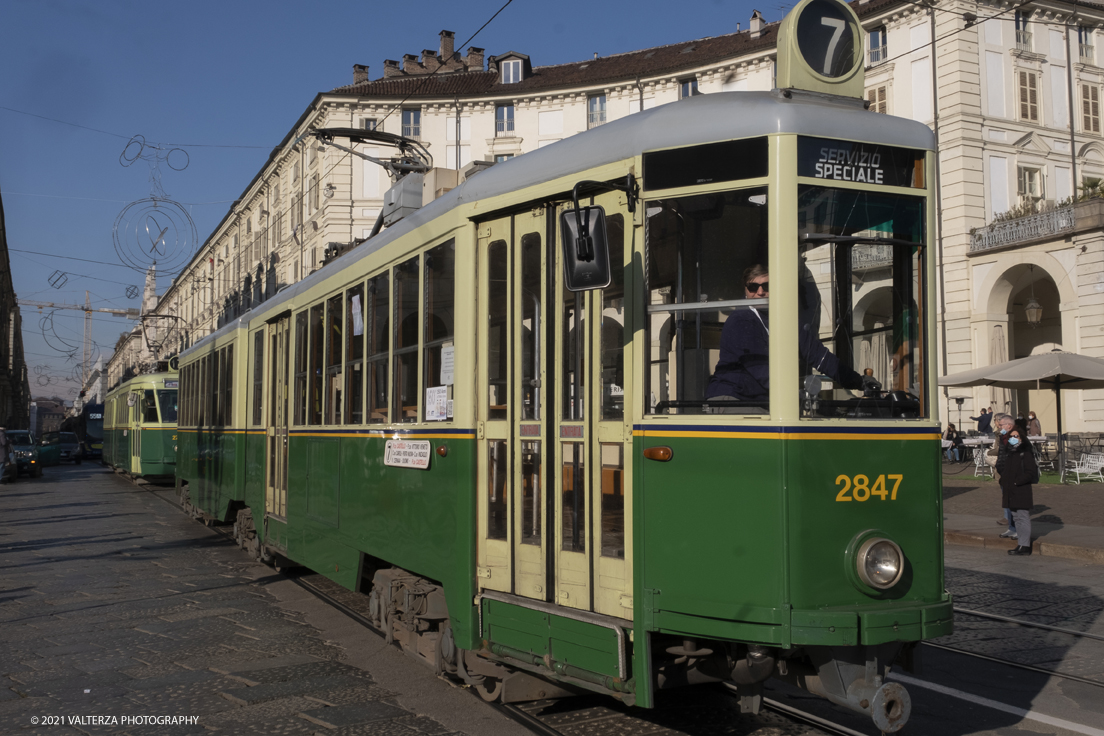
(674, 478)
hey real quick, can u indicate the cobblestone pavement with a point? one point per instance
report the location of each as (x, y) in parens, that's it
(115, 605)
(1055, 592)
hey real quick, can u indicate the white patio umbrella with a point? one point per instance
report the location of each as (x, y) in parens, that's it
(1055, 370)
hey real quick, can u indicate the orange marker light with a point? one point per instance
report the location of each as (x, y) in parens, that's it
(662, 454)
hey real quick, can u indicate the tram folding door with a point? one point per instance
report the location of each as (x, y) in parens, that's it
(554, 484)
(276, 419)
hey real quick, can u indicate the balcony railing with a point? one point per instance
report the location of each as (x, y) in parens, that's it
(596, 118)
(1023, 229)
(1023, 40)
(877, 55)
(1087, 53)
(865, 257)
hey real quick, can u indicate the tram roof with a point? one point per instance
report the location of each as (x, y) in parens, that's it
(693, 121)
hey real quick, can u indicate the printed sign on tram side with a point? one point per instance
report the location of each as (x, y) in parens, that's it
(862, 163)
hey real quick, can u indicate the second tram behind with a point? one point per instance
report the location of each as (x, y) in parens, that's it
(140, 426)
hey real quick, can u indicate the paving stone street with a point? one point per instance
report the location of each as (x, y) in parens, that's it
(115, 606)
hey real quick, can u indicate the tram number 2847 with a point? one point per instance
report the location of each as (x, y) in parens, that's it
(858, 488)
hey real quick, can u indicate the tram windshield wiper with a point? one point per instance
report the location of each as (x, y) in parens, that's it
(852, 239)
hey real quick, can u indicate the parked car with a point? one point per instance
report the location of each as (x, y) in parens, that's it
(49, 449)
(26, 452)
(70, 448)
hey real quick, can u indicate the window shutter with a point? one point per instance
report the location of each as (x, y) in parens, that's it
(1095, 108)
(1024, 110)
(1033, 96)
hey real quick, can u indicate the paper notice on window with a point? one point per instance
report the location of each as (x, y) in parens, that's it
(450, 408)
(407, 454)
(358, 320)
(447, 357)
(437, 404)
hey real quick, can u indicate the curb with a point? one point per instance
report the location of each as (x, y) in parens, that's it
(1046, 549)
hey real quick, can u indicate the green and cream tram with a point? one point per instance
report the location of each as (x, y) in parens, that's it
(139, 426)
(535, 481)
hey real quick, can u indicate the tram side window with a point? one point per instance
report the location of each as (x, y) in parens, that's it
(354, 355)
(228, 389)
(532, 339)
(379, 343)
(699, 250)
(613, 323)
(314, 406)
(406, 341)
(861, 299)
(498, 392)
(149, 407)
(258, 377)
(301, 367)
(440, 309)
(334, 313)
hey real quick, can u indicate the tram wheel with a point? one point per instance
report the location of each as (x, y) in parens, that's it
(490, 689)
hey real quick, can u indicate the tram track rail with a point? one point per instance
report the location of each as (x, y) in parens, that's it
(1020, 665)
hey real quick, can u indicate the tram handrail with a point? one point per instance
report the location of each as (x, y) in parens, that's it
(708, 306)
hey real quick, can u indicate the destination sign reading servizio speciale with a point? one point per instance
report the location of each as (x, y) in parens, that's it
(861, 163)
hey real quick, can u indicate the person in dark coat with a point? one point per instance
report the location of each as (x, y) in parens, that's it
(743, 368)
(1018, 471)
(984, 422)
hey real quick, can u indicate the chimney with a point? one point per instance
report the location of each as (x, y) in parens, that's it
(448, 39)
(756, 24)
(475, 59)
(430, 60)
(391, 68)
(360, 73)
(410, 64)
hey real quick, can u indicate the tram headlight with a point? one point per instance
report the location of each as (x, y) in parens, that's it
(880, 563)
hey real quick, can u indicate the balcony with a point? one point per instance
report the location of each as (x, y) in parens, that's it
(1087, 53)
(1023, 40)
(596, 118)
(1061, 221)
(877, 55)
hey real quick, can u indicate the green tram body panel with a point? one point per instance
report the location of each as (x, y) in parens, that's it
(746, 535)
(135, 442)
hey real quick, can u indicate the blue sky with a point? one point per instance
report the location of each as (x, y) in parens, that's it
(226, 80)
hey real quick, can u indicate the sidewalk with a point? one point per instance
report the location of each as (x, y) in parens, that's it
(1067, 521)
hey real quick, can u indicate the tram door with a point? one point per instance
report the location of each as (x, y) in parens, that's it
(555, 488)
(276, 418)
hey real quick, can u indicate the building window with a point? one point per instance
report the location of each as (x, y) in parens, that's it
(1090, 108)
(877, 46)
(500, 157)
(1029, 97)
(1085, 47)
(369, 123)
(504, 120)
(511, 71)
(688, 88)
(1030, 186)
(876, 96)
(1023, 36)
(412, 124)
(596, 111)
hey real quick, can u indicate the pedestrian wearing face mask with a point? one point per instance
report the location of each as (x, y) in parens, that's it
(1018, 471)
(1004, 424)
(1034, 428)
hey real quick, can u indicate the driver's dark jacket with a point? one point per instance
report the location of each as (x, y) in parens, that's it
(743, 367)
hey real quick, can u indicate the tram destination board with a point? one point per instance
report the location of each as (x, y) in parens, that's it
(862, 163)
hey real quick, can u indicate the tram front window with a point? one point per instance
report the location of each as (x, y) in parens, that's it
(698, 250)
(861, 297)
(166, 400)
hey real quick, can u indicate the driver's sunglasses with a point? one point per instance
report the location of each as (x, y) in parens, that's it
(753, 287)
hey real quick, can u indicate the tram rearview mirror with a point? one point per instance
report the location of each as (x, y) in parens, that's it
(585, 250)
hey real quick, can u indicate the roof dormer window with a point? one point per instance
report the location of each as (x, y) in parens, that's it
(511, 71)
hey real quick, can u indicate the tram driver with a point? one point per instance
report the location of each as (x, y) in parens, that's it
(742, 373)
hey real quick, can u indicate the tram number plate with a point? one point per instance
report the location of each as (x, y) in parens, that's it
(859, 488)
(407, 454)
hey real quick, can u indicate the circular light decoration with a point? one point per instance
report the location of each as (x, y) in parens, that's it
(826, 38)
(132, 292)
(154, 231)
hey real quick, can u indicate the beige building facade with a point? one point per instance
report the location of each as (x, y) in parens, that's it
(997, 87)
